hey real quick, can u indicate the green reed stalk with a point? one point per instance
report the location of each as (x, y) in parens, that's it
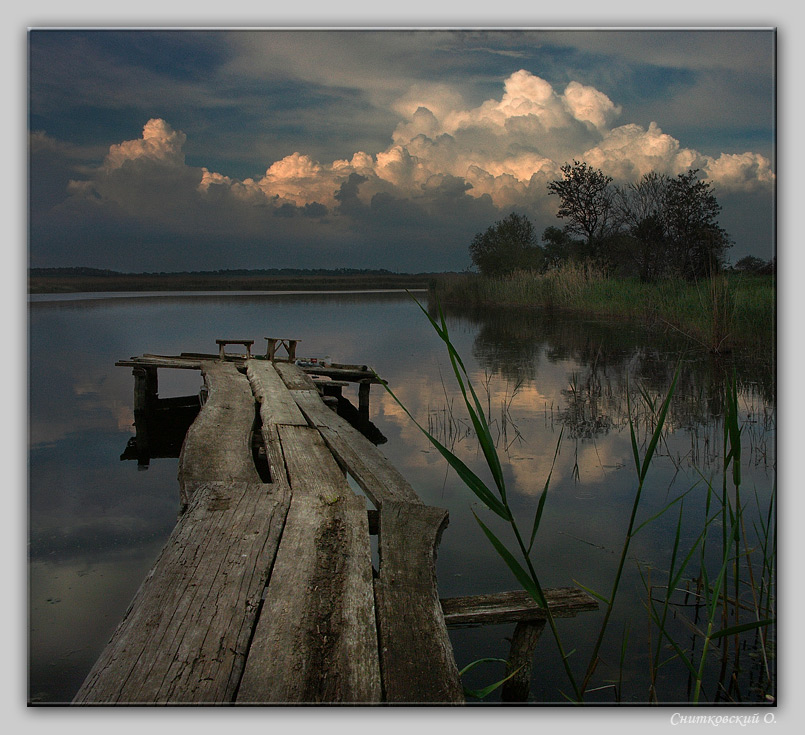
(642, 471)
(495, 500)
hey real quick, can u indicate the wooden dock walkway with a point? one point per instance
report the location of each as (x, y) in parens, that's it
(265, 592)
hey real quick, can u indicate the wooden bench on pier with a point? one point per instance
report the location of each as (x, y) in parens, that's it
(247, 343)
(265, 592)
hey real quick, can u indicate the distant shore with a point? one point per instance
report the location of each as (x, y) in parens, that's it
(46, 280)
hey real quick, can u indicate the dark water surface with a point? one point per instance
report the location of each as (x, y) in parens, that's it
(97, 523)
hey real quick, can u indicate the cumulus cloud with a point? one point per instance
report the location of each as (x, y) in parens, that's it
(500, 153)
(160, 144)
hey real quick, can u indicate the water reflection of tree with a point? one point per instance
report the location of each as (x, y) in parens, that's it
(613, 355)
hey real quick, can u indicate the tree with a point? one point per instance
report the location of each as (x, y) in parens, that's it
(755, 265)
(508, 245)
(586, 202)
(697, 243)
(641, 209)
(559, 247)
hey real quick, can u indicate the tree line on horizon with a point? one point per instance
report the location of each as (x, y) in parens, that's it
(659, 226)
(80, 271)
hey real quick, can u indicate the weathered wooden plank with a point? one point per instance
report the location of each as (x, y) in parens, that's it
(276, 404)
(375, 475)
(293, 377)
(316, 639)
(185, 636)
(416, 656)
(353, 375)
(516, 606)
(218, 443)
(161, 361)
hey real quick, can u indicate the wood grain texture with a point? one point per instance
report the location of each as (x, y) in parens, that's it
(184, 637)
(415, 651)
(521, 660)
(516, 606)
(276, 405)
(375, 475)
(218, 445)
(293, 377)
(316, 640)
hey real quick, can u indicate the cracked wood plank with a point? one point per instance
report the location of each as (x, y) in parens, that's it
(316, 640)
(375, 475)
(185, 635)
(276, 404)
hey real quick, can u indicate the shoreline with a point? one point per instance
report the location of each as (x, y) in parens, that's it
(164, 282)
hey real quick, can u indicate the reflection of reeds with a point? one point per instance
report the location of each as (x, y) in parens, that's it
(733, 602)
(724, 615)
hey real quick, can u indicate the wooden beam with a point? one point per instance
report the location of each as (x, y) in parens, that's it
(352, 375)
(161, 362)
(510, 607)
(521, 660)
(363, 399)
(293, 377)
(276, 404)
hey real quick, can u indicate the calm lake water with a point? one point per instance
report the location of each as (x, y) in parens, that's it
(97, 523)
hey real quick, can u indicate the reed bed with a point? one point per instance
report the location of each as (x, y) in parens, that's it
(719, 313)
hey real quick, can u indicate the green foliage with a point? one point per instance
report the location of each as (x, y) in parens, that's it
(559, 247)
(753, 265)
(508, 245)
(698, 244)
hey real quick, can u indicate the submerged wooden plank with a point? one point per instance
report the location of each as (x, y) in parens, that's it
(218, 445)
(185, 636)
(316, 640)
(515, 606)
(375, 475)
(417, 659)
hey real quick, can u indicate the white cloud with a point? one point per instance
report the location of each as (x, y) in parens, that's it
(160, 143)
(740, 172)
(507, 149)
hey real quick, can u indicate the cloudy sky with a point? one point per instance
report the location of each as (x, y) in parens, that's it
(194, 149)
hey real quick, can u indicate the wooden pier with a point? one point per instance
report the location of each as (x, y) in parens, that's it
(266, 592)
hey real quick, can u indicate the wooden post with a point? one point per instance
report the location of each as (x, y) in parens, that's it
(274, 343)
(521, 656)
(363, 399)
(292, 349)
(146, 387)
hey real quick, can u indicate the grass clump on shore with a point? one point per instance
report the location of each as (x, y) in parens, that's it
(720, 312)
